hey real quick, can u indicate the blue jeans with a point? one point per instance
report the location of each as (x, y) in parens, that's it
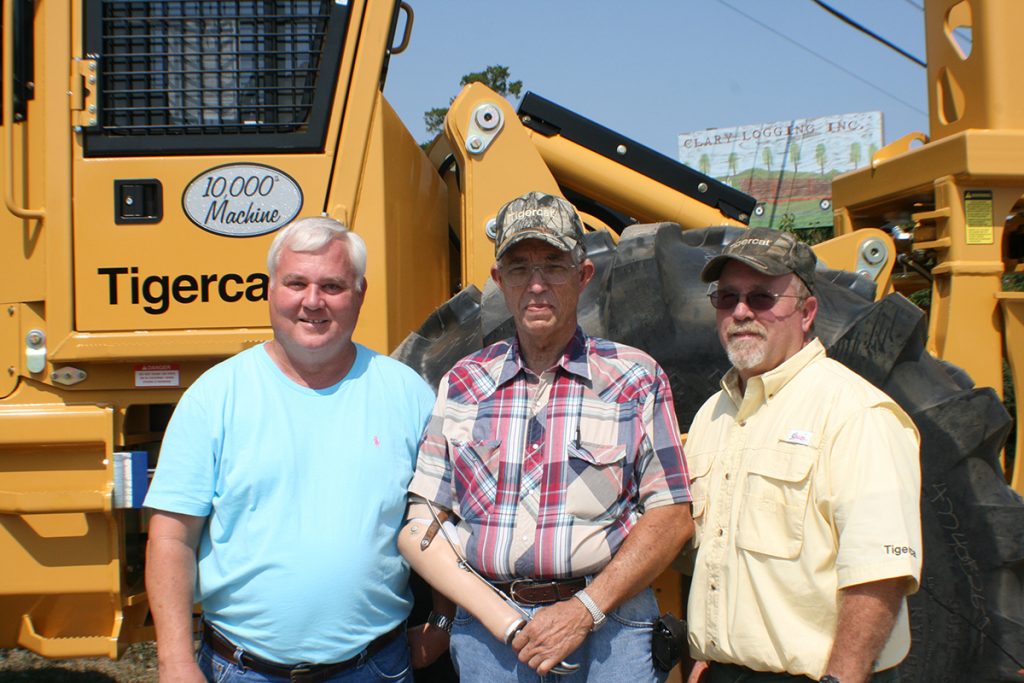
(620, 652)
(390, 664)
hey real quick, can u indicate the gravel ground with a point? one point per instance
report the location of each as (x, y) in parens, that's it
(138, 665)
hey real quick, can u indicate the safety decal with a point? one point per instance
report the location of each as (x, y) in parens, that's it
(158, 375)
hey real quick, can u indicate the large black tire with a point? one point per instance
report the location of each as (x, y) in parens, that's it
(967, 620)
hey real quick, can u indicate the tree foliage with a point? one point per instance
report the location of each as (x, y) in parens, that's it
(495, 77)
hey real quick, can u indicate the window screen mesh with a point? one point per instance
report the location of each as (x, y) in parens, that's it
(202, 67)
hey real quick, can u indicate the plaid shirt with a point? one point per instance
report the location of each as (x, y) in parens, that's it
(548, 474)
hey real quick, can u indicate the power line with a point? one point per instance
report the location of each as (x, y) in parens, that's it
(825, 59)
(914, 4)
(865, 30)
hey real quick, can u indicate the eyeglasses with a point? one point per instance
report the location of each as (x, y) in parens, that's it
(552, 273)
(757, 300)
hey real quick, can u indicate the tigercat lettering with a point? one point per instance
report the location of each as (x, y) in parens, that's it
(156, 292)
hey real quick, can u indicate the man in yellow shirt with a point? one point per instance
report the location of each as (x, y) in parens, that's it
(806, 482)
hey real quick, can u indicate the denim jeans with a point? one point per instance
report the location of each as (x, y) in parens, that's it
(390, 664)
(730, 673)
(620, 652)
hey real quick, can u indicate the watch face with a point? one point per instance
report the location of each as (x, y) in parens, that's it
(829, 679)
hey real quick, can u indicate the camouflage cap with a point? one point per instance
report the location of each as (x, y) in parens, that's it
(537, 216)
(767, 251)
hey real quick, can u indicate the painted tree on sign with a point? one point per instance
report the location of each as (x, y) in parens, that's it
(821, 156)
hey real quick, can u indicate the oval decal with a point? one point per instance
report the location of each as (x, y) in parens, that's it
(242, 200)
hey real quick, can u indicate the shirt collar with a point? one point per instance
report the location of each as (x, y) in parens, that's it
(573, 359)
(768, 384)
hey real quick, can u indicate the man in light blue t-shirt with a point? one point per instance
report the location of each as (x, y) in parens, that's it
(281, 487)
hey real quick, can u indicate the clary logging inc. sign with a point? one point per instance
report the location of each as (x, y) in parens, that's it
(242, 200)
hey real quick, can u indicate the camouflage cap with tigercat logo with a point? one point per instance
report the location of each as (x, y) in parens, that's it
(767, 251)
(537, 216)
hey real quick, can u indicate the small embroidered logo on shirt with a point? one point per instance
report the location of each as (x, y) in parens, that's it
(376, 441)
(799, 437)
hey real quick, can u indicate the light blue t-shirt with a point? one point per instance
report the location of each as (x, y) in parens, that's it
(305, 492)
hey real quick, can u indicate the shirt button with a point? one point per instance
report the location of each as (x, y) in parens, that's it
(743, 423)
(525, 538)
(721, 531)
(534, 447)
(728, 476)
(714, 587)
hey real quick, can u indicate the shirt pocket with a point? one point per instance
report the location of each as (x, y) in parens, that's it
(775, 497)
(698, 465)
(596, 480)
(477, 468)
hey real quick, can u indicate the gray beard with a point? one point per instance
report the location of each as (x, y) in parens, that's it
(746, 354)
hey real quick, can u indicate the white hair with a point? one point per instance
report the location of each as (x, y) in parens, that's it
(307, 235)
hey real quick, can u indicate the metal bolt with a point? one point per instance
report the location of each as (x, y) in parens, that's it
(34, 338)
(129, 201)
(92, 108)
(10, 310)
(77, 129)
(475, 143)
(92, 122)
(744, 217)
(620, 150)
(702, 187)
(488, 117)
(10, 370)
(54, 375)
(92, 66)
(92, 80)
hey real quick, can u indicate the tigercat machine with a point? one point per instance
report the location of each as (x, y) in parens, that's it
(150, 150)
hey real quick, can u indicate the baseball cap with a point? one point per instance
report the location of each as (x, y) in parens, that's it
(537, 216)
(767, 251)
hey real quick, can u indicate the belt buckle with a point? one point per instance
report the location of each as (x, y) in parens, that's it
(296, 673)
(512, 589)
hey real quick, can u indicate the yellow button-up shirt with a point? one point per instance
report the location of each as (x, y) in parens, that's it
(806, 483)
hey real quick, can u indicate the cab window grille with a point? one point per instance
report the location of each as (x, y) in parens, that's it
(212, 76)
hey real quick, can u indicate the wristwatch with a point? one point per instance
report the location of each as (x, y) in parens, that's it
(829, 678)
(595, 612)
(440, 621)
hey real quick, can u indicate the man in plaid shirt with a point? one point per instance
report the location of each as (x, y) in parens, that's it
(560, 456)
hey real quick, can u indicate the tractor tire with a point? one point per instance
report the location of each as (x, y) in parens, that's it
(967, 619)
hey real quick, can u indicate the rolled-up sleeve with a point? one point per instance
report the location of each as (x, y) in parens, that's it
(662, 473)
(876, 477)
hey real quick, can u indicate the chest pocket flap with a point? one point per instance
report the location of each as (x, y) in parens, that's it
(774, 500)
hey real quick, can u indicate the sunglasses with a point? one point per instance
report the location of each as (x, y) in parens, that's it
(756, 300)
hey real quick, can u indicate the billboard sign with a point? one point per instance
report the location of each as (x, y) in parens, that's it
(787, 165)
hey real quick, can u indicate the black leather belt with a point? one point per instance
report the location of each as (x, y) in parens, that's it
(299, 673)
(542, 592)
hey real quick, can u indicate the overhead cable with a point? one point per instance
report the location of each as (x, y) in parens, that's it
(825, 59)
(865, 30)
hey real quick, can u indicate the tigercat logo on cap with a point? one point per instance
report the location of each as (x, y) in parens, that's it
(527, 213)
(754, 240)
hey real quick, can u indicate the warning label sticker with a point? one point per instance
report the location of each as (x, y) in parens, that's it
(158, 375)
(978, 217)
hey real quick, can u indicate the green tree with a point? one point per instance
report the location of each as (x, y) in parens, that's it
(705, 163)
(734, 160)
(495, 77)
(794, 154)
(766, 155)
(855, 154)
(821, 156)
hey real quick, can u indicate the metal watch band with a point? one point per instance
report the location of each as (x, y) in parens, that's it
(595, 612)
(828, 678)
(440, 621)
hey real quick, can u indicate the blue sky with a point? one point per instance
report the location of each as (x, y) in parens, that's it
(652, 69)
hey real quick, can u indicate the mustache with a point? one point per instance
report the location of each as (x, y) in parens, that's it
(746, 328)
